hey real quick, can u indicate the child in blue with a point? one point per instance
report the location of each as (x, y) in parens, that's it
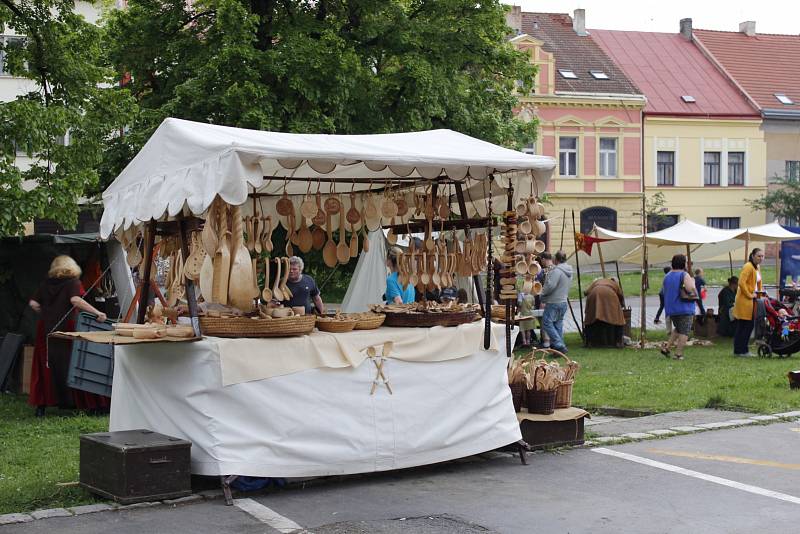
(395, 293)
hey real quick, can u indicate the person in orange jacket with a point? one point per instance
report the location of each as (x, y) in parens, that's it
(749, 286)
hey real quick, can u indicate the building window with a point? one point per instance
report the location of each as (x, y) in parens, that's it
(666, 168)
(724, 223)
(660, 222)
(711, 168)
(735, 168)
(608, 156)
(601, 216)
(793, 170)
(568, 156)
(8, 43)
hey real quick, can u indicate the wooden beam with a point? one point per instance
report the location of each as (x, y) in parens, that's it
(462, 206)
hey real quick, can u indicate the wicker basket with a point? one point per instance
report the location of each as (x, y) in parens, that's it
(369, 321)
(517, 395)
(564, 394)
(499, 312)
(247, 327)
(541, 402)
(423, 320)
(336, 327)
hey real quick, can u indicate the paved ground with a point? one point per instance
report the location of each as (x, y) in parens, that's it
(721, 481)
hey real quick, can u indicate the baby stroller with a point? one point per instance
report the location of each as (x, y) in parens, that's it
(777, 332)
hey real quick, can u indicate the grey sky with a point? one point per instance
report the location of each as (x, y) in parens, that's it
(771, 16)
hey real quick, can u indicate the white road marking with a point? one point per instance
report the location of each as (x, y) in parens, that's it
(702, 476)
(268, 516)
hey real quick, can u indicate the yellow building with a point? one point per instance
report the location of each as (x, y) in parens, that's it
(703, 145)
(590, 121)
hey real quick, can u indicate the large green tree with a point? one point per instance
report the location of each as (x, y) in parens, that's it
(62, 56)
(330, 66)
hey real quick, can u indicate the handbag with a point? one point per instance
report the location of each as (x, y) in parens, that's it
(687, 295)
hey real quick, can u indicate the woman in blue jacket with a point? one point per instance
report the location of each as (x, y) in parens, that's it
(679, 311)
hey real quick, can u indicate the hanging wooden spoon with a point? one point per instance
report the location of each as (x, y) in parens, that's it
(308, 208)
(268, 234)
(343, 250)
(289, 249)
(436, 278)
(329, 251)
(353, 242)
(391, 237)
(287, 293)
(364, 238)
(266, 294)
(210, 233)
(304, 239)
(277, 292)
(425, 277)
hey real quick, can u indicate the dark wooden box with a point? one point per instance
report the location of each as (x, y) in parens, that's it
(135, 466)
(542, 434)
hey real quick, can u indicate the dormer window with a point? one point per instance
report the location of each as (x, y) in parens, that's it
(568, 74)
(783, 99)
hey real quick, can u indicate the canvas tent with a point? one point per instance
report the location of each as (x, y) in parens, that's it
(185, 164)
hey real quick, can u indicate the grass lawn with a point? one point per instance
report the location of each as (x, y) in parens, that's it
(709, 377)
(632, 282)
(35, 453)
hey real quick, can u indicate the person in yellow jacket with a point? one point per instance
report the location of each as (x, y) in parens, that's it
(749, 285)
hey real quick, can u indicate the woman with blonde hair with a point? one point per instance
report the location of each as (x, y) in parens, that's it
(395, 292)
(55, 301)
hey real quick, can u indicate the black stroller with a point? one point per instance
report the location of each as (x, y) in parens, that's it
(776, 332)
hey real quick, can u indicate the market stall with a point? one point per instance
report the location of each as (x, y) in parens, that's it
(271, 390)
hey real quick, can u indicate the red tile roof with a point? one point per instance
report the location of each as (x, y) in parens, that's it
(762, 64)
(665, 66)
(577, 53)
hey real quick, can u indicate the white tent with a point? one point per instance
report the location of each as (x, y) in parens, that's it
(704, 242)
(185, 164)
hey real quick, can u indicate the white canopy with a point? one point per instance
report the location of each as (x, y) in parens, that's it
(186, 164)
(704, 242)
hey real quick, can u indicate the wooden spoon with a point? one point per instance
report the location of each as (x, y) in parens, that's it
(329, 252)
(436, 278)
(287, 293)
(304, 239)
(268, 234)
(210, 232)
(352, 214)
(391, 237)
(266, 295)
(425, 277)
(353, 242)
(289, 249)
(240, 285)
(343, 250)
(308, 208)
(318, 236)
(277, 293)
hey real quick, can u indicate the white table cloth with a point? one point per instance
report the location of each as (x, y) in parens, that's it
(318, 421)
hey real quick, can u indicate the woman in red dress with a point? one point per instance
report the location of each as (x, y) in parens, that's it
(55, 301)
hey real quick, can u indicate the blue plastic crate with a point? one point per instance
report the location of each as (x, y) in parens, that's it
(91, 366)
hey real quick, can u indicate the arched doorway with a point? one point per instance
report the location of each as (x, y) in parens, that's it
(599, 215)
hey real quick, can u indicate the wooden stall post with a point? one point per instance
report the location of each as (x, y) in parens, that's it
(144, 282)
(689, 260)
(777, 265)
(730, 261)
(191, 298)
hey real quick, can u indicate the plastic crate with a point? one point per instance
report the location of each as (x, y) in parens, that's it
(91, 366)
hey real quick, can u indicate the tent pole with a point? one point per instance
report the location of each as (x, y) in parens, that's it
(746, 246)
(577, 266)
(643, 288)
(730, 261)
(563, 225)
(600, 253)
(144, 295)
(777, 264)
(689, 260)
(619, 281)
(462, 206)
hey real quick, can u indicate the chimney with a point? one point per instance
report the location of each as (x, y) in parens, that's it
(579, 22)
(748, 28)
(514, 19)
(686, 29)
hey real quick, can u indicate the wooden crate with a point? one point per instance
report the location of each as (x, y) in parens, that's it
(544, 434)
(135, 466)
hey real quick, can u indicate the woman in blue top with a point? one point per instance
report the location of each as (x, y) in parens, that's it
(395, 293)
(680, 312)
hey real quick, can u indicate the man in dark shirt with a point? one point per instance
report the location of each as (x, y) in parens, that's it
(304, 289)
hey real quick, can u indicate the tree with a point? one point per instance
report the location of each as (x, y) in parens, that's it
(62, 55)
(329, 66)
(782, 201)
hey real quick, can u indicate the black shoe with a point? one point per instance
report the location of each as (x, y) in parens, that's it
(39, 411)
